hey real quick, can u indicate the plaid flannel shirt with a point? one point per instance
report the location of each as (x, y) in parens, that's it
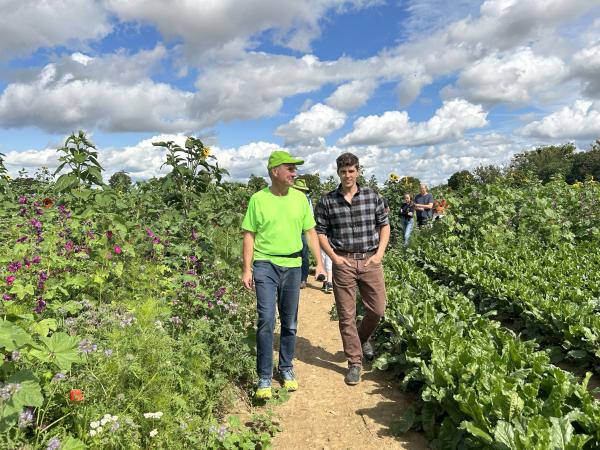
(351, 227)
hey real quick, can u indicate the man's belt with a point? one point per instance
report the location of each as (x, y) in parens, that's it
(291, 255)
(364, 255)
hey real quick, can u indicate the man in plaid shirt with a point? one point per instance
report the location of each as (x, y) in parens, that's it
(354, 231)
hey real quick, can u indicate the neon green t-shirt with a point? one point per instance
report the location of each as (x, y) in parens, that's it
(277, 223)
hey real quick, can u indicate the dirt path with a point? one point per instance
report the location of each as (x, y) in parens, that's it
(325, 413)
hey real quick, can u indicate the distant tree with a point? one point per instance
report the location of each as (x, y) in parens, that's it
(586, 164)
(487, 174)
(546, 162)
(120, 181)
(372, 183)
(255, 183)
(461, 179)
(313, 182)
(330, 184)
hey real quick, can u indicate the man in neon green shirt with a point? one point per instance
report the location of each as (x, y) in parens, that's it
(272, 248)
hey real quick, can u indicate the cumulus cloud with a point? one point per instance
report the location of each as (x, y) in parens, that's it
(394, 128)
(351, 96)
(226, 25)
(586, 66)
(26, 25)
(582, 121)
(311, 127)
(512, 77)
(78, 92)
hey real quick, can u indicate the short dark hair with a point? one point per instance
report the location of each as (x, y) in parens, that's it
(347, 159)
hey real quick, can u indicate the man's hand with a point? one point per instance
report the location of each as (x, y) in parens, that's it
(339, 260)
(247, 280)
(320, 271)
(375, 259)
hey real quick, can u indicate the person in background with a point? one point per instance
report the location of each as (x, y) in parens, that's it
(423, 205)
(439, 208)
(271, 250)
(328, 265)
(407, 214)
(354, 231)
(300, 185)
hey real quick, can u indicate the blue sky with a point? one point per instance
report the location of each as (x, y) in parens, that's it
(415, 87)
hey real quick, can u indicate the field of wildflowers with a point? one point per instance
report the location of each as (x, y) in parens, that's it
(122, 324)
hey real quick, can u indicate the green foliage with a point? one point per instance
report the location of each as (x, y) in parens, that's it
(546, 162)
(81, 157)
(191, 173)
(487, 174)
(586, 165)
(256, 183)
(120, 181)
(460, 180)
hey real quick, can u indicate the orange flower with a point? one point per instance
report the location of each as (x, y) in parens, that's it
(48, 202)
(76, 395)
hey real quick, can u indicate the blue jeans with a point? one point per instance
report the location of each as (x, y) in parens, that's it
(305, 261)
(407, 226)
(279, 287)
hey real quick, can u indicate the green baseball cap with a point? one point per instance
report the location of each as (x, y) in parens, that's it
(300, 184)
(279, 157)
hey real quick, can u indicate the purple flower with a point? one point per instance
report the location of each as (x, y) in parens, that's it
(193, 259)
(156, 240)
(23, 212)
(26, 418)
(194, 235)
(86, 346)
(35, 223)
(109, 234)
(59, 376)
(14, 266)
(191, 272)
(22, 200)
(22, 239)
(150, 233)
(40, 307)
(189, 284)
(219, 293)
(36, 259)
(6, 297)
(108, 352)
(69, 246)
(10, 280)
(53, 444)
(176, 320)
(39, 211)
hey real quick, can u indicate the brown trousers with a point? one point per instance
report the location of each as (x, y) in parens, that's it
(371, 286)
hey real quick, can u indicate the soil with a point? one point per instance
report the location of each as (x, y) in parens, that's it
(325, 413)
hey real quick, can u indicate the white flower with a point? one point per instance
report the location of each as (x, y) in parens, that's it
(92, 433)
(155, 415)
(107, 417)
(99, 429)
(153, 432)
(103, 421)
(94, 425)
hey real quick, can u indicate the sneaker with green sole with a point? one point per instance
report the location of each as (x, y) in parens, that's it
(289, 380)
(263, 389)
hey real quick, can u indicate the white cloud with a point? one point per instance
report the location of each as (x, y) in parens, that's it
(582, 121)
(113, 93)
(586, 66)
(227, 26)
(394, 128)
(26, 25)
(512, 77)
(311, 127)
(351, 96)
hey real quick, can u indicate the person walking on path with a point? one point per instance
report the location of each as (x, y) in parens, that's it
(354, 231)
(300, 184)
(407, 214)
(423, 205)
(272, 248)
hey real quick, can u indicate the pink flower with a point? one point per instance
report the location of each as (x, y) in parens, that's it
(69, 246)
(118, 250)
(10, 280)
